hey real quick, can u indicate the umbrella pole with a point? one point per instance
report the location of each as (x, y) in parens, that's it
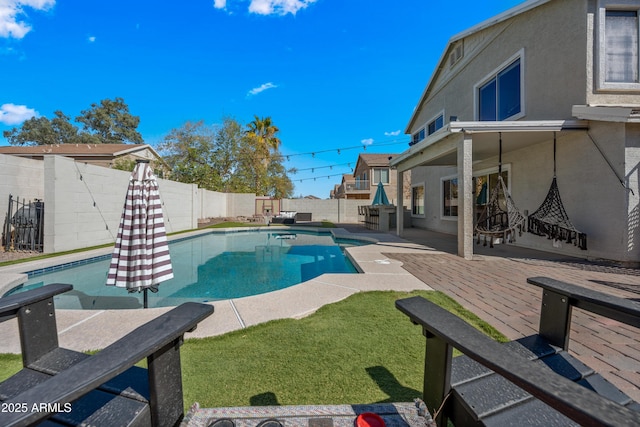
(145, 298)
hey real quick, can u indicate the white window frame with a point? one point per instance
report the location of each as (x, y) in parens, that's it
(603, 6)
(482, 172)
(424, 200)
(492, 75)
(413, 135)
(373, 175)
(433, 120)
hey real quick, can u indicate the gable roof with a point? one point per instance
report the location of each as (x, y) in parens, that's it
(372, 160)
(497, 19)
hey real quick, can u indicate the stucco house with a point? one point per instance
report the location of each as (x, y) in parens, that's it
(544, 71)
(370, 170)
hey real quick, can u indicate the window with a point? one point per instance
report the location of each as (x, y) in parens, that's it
(435, 124)
(381, 175)
(618, 45)
(500, 98)
(621, 46)
(484, 182)
(417, 137)
(417, 200)
(450, 197)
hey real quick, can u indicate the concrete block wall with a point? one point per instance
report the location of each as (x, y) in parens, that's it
(180, 204)
(334, 210)
(241, 204)
(213, 204)
(23, 178)
(83, 204)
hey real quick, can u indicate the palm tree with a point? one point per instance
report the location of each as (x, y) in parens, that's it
(262, 144)
(263, 132)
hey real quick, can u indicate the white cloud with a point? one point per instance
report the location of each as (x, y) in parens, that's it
(269, 7)
(91, 39)
(367, 141)
(11, 114)
(279, 7)
(10, 10)
(394, 133)
(262, 88)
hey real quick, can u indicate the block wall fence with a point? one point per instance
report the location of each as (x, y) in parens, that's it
(83, 202)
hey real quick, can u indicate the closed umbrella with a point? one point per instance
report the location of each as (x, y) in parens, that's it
(140, 259)
(381, 196)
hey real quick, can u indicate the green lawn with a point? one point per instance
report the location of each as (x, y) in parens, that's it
(359, 350)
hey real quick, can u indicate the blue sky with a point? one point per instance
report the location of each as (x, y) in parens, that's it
(332, 74)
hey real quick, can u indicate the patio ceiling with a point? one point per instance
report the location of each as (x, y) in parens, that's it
(440, 148)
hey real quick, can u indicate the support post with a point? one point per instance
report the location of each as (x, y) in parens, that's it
(400, 203)
(465, 197)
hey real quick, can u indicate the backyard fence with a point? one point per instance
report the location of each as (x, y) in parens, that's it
(23, 228)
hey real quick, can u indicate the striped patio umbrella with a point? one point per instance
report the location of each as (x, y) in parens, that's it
(140, 259)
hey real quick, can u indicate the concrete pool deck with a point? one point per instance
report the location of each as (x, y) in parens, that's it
(83, 330)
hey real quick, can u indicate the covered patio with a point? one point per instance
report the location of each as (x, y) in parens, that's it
(471, 145)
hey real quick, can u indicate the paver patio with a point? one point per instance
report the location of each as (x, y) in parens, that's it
(493, 286)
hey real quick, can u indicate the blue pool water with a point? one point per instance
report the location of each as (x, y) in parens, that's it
(214, 266)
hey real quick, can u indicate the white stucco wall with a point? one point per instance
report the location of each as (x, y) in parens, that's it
(595, 200)
(551, 40)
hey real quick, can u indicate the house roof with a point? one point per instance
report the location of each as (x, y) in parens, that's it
(372, 160)
(77, 150)
(504, 16)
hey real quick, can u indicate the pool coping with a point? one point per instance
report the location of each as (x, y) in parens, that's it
(94, 329)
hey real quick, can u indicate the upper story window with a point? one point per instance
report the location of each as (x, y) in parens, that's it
(418, 136)
(621, 46)
(500, 96)
(381, 175)
(618, 45)
(435, 124)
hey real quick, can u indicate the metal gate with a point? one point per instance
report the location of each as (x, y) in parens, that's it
(23, 228)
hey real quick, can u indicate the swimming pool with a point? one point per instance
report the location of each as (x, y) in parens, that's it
(209, 267)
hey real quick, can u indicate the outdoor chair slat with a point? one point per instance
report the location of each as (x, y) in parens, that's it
(559, 397)
(129, 395)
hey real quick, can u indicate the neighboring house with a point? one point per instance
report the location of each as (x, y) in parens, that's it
(370, 170)
(567, 69)
(106, 155)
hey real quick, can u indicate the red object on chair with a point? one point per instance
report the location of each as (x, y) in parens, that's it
(369, 419)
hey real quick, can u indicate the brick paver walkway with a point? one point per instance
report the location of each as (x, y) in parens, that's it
(495, 289)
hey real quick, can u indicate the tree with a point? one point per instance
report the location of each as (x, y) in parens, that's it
(227, 157)
(204, 155)
(111, 122)
(35, 131)
(260, 148)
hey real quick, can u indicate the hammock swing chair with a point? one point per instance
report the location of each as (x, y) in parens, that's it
(551, 218)
(500, 216)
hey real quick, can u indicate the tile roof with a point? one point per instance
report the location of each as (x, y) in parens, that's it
(74, 149)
